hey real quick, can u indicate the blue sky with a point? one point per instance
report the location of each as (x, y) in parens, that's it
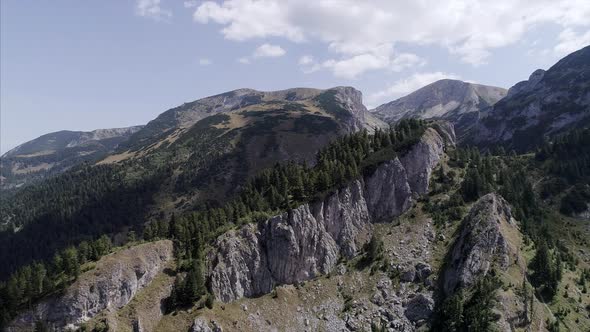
(83, 65)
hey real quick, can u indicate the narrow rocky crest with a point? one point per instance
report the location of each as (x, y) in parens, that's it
(481, 244)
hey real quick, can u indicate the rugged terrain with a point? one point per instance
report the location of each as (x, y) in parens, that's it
(547, 104)
(181, 160)
(297, 210)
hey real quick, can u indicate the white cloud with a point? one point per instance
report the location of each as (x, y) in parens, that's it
(570, 40)
(471, 29)
(263, 51)
(205, 61)
(152, 9)
(269, 50)
(405, 86)
(245, 19)
(351, 66)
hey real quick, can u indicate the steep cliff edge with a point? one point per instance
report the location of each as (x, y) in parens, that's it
(110, 285)
(308, 241)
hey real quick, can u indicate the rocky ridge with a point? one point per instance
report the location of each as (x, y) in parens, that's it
(308, 241)
(177, 120)
(547, 104)
(109, 286)
(481, 244)
(489, 240)
(57, 152)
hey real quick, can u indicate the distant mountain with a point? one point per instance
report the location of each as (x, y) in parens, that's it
(56, 152)
(548, 103)
(453, 100)
(177, 120)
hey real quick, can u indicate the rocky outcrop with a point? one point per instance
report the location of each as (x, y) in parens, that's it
(482, 243)
(308, 241)
(201, 325)
(294, 246)
(422, 158)
(383, 200)
(111, 285)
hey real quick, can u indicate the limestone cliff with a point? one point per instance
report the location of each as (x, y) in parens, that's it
(308, 241)
(481, 243)
(111, 285)
(489, 240)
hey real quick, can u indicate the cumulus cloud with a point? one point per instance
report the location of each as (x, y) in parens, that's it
(471, 29)
(246, 19)
(263, 51)
(152, 9)
(350, 66)
(405, 86)
(570, 41)
(269, 50)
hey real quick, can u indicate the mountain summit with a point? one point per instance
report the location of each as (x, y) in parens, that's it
(444, 99)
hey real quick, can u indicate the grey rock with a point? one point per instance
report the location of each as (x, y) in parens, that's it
(481, 243)
(200, 325)
(423, 271)
(421, 160)
(109, 286)
(408, 275)
(419, 308)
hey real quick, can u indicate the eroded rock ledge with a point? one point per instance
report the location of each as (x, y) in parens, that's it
(308, 241)
(111, 285)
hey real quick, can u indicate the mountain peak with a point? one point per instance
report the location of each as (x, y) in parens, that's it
(445, 99)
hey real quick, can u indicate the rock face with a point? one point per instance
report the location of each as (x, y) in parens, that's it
(481, 244)
(111, 285)
(423, 157)
(547, 104)
(308, 241)
(452, 100)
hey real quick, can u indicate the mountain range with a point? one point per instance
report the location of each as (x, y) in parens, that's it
(458, 207)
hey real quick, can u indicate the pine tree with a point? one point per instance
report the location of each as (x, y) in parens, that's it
(70, 262)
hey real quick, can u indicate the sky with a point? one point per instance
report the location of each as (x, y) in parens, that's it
(84, 65)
